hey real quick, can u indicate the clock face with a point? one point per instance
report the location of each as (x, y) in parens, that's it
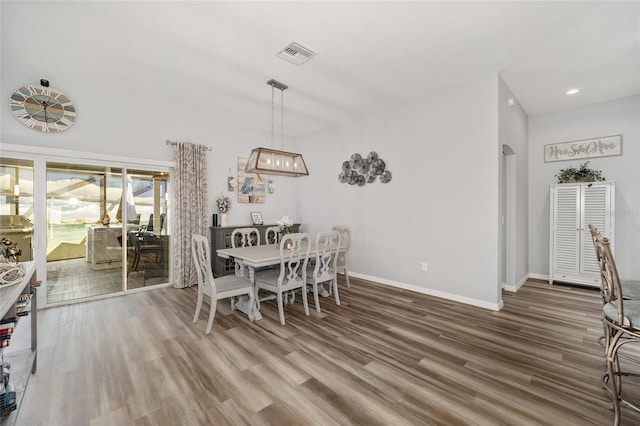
(42, 108)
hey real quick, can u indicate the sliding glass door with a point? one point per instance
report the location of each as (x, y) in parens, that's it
(107, 230)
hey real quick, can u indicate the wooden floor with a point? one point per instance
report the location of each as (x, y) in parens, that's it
(384, 357)
(73, 279)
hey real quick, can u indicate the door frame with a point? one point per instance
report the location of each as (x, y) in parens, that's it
(40, 156)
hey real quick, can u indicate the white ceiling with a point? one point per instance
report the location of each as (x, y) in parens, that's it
(214, 58)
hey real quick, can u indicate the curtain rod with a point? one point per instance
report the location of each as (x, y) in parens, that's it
(208, 148)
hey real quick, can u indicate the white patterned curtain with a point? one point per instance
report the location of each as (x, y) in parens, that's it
(190, 208)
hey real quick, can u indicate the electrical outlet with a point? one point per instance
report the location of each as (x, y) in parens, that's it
(424, 266)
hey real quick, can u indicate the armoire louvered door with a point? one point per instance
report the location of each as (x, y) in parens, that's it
(573, 207)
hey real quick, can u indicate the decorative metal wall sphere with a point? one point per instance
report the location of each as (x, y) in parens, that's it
(360, 171)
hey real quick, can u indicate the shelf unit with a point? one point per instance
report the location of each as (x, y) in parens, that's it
(221, 238)
(23, 360)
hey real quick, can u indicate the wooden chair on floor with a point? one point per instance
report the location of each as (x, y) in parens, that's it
(244, 237)
(220, 288)
(291, 275)
(324, 268)
(345, 241)
(621, 321)
(272, 235)
(630, 288)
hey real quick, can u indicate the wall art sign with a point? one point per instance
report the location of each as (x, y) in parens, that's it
(587, 148)
(251, 189)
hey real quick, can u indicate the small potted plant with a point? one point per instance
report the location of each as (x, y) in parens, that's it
(224, 205)
(582, 174)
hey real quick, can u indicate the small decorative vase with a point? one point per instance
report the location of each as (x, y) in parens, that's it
(288, 245)
(224, 219)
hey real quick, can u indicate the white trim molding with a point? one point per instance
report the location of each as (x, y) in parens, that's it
(430, 292)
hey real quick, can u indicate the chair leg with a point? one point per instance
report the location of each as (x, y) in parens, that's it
(613, 376)
(346, 277)
(316, 300)
(305, 302)
(198, 307)
(212, 315)
(280, 308)
(335, 290)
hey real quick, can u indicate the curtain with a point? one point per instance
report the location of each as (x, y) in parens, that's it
(190, 197)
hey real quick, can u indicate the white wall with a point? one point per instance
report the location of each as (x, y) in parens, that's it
(441, 206)
(604, 119)
(136, 125)
(513, 128)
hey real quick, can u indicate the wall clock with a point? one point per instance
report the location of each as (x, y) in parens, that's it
(42, 108)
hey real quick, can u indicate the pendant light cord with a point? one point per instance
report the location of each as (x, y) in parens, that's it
(273, 117)
(282, 120)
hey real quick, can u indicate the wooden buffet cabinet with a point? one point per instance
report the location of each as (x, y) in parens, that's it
(221, 238)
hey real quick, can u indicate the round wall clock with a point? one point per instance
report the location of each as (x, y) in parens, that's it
(42, 108)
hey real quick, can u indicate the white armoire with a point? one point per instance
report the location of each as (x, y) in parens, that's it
(574, 206)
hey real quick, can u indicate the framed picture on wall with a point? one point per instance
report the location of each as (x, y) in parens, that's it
(256, 218)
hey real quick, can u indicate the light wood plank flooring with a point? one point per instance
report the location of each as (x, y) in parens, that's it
(73, 279)
(384, 357)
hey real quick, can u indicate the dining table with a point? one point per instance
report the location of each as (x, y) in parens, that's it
(250, 258)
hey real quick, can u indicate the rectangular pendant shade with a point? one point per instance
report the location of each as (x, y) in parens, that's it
(274, 162)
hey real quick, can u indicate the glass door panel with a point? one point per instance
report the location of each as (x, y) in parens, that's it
(84, 235)
(147, 228)
(16, 207)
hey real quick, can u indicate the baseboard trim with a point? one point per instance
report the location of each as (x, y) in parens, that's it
(431, 292)
(515, 288)
(539, 276)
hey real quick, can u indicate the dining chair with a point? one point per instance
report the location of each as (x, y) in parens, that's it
(245, 237)
(224, 287)
(621, 321)
(324, 268)
(345, 241)
(630, 288)
(145, 242)
(272, 235)
(291, 275)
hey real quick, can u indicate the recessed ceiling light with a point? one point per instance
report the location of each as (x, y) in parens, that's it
(572, 91)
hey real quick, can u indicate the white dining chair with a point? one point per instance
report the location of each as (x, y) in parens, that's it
(220, 288)
(272, 235)
(245, 237)
(324, 268)
(345, 242)
(291, 275)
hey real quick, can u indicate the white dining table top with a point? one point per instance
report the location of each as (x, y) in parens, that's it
(258, 256)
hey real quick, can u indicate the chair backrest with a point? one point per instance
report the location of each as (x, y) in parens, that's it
(327, 247)
(244, 237)
(345, 244)
(272, 235)
(611, 285)
(202, 261)
(598, 241)
(293, 260)
(149, 226)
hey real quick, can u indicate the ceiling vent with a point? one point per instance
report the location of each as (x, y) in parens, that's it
(295, 53)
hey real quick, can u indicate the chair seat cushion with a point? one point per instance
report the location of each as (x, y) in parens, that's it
(630, 288)
(631, 311)
(231, 282)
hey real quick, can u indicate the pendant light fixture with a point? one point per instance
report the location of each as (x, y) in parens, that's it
(271, 161)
